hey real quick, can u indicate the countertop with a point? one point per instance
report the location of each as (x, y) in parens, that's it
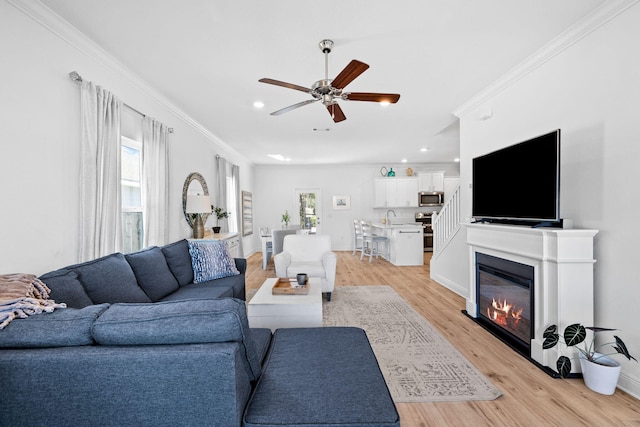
(210, 235)
(393, 226)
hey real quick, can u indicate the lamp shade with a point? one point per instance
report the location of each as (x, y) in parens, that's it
(198, 204)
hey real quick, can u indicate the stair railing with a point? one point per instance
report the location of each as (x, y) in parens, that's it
(446, 223)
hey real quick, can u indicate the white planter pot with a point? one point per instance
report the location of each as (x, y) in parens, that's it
(600, 377)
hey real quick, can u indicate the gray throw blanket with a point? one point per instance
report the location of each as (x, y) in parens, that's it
(22, 295)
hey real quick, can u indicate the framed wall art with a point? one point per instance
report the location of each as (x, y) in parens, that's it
(341, 202)
(247, 213)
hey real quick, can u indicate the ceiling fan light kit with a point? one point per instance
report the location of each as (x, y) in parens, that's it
(329, 91)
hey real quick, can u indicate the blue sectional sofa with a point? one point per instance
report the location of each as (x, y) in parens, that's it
(152, 275)
(146, 340)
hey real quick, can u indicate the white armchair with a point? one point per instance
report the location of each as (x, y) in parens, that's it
(311, 254)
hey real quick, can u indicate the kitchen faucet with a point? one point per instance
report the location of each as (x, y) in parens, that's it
(387, 214)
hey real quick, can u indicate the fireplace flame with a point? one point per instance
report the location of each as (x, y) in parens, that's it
(503, 313)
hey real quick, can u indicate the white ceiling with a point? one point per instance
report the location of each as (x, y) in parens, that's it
(206, 57)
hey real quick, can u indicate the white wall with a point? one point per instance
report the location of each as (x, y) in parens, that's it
(40, 142)
(275, 188)
(591, 91)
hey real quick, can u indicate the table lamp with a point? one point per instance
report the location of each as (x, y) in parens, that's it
(198, 204)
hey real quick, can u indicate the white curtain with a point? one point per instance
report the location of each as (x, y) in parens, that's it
(100, 206)
(220, 198)
(155, 182)
(228, 195)
(235, 182)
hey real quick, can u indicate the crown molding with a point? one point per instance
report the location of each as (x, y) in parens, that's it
(598, 17)
(44, 16)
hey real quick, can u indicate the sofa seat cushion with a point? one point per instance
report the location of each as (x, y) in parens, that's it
(65, 287)
(321, 376)
(65, 327)
(152, 272)
(313, 269)
(179, 322)
(179, 261)
(210, 260)
(236, 283)
(207, 290)
(110, 279)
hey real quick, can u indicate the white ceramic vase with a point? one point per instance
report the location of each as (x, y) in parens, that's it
(600, 377)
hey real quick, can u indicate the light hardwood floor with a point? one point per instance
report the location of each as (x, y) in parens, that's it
(531, 397)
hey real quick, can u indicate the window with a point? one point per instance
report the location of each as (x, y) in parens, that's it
(132, 212)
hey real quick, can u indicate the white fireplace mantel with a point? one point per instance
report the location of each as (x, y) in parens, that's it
(563, 275)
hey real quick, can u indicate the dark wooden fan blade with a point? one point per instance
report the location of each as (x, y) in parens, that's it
(350, 72)
(336, 113)
(285, 84)
(293, 107)
(372, 97)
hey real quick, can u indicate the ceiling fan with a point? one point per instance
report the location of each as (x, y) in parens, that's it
(330, 91)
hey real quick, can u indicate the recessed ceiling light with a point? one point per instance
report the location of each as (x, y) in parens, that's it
(279, 157)
(404, 160)
(424, 149)
(258, 104)
(456, 159)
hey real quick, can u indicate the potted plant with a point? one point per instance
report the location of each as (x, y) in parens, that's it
(599, 371)
(220, 213)
(285, 219)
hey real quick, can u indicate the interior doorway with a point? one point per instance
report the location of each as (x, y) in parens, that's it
(308, 203)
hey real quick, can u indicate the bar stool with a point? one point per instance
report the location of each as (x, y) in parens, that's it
(371, 242)
(357, 235)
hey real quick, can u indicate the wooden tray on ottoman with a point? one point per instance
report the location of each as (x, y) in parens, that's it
(287, 286)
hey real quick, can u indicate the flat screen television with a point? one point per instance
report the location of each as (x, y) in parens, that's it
(519, 184)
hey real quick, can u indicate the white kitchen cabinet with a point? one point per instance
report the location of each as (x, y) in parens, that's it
(407, 193)
(395, 192)
(431, 181)
(380, 192)
(391, 192)
(405, 243)
(406, 246)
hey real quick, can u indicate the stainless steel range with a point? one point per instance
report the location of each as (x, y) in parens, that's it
(425, 219)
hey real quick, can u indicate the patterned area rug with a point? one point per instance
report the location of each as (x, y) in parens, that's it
(418, 363)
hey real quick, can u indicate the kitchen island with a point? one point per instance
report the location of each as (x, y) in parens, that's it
(405, 242)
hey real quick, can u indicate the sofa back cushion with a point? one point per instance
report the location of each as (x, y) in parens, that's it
(211, 260)
(152, 272)
(65, 327)
(110, 279)
(179, 261)
(179, 322)
(65, 287)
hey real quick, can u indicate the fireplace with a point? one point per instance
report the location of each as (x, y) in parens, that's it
(505, 300)
(550, 267)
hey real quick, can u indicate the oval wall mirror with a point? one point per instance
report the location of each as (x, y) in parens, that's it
(194, 184)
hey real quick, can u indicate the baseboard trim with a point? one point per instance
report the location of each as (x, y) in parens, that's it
(629, 385)
(451, 285)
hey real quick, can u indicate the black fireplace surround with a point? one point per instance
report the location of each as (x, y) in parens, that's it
(505, 300)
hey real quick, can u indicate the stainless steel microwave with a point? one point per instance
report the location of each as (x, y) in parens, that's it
(430, 198)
